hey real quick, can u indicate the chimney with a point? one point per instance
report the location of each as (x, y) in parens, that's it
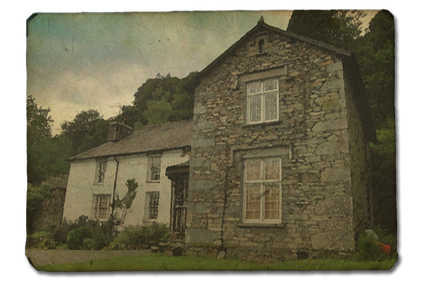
(118, 131)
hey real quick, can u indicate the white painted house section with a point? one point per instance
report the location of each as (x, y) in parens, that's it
(91, 186)
(82, 186)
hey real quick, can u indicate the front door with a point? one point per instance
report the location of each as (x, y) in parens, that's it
(179, 204)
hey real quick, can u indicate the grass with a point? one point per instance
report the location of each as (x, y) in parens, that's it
(161, 262)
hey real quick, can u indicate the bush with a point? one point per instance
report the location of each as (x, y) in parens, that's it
(75, 238)
(157, 233)
(34, 198)
(131, 235)
(102, 236)
(140, 235)
(60, 233)
(369, 250)
(41, 240)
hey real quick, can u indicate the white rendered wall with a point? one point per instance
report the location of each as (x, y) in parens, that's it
(81, 186)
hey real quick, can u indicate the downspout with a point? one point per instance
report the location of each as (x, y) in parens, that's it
(114, 185)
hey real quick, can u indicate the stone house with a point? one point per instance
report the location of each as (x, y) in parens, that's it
(99, 175)
(280, 151)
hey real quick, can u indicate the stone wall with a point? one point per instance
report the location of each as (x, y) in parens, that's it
(311, 136)
(360, 163)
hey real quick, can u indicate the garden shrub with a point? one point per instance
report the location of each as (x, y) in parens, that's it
(34, 198)
(88, 244)
(131, 235)
(388, 238)
(158, 233)
(140, 235)
(75, 238)
(102, 236)
(369, 250)
(60, 233)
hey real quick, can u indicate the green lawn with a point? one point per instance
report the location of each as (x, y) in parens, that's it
(189, 263)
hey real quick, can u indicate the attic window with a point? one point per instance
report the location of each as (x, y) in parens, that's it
(261, 40)
(260, 44)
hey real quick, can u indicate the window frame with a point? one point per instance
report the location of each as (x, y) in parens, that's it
(149, 199)
(97, 208)
(150, 167)
(99, 179)
(262, 182)
(262, 93)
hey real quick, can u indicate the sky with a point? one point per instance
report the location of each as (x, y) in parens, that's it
(81, 61)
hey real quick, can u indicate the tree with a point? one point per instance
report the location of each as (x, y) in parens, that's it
(376, 58)
(183, 102)
(158, 112)
(46, 155)
(338, 28)
(82, 125)
(101, 130)
(164, 99)
(38, 122)
(133, 117)
(121, 206)
(153, 89)
(384, 177)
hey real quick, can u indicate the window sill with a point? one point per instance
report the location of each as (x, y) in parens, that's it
(262, 225)
(150, 181)
(263, 124)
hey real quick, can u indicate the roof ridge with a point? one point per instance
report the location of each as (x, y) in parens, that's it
(167, 123)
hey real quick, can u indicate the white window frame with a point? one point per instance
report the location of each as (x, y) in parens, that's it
(100, 174)
(262, 182)
(150, 168)
(150, 198)
(261, 93)
(98, 200)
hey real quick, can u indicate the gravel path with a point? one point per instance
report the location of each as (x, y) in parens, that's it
(46, 257)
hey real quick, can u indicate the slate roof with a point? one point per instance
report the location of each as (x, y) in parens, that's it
(156, 138)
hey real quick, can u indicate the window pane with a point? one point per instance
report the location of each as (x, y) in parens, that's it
(153, 205)
(253, 201)
(102, 171)
(270, 106)
(271, 199)
(271, 169)
(270, 85)
(102, 206)
(155, 168)
(254, 87)
(253, 169)
(255, 108)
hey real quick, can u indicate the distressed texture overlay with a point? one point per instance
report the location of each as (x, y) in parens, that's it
(273, 163)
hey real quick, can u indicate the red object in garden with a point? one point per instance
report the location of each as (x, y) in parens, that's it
(385, 248)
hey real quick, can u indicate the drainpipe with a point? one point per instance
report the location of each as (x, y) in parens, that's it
(114, 185)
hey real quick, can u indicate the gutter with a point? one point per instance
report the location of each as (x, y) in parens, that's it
(74, 159)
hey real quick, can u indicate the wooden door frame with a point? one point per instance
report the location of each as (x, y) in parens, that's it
(174, 173)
